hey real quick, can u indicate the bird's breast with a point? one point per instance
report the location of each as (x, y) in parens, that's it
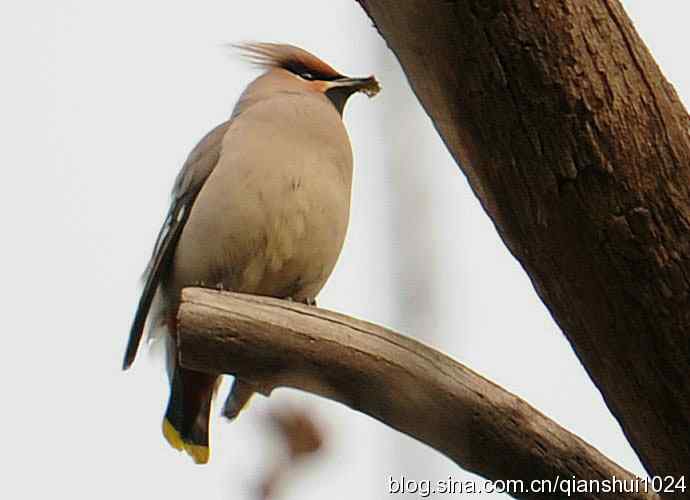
(272, 217)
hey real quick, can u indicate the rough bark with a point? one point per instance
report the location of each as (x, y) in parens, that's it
(405, 384)
(579, 151)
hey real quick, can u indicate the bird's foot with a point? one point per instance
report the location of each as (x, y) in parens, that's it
(309, 301)
(239, 396)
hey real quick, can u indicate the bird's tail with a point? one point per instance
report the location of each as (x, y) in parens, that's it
(185, 425)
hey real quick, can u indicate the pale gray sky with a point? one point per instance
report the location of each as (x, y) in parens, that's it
(101, 103)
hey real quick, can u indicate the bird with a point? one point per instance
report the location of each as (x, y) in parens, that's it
(261, 206)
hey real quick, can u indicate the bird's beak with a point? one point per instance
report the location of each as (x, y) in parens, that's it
(367, 85)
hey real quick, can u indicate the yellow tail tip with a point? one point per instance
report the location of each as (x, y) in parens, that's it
(172, 436)
(198, 452)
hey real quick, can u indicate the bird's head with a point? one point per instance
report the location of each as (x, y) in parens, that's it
(296, 69)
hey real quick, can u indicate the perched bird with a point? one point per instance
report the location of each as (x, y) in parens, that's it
(260, 206)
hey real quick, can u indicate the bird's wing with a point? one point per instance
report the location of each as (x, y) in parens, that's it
(189, 182)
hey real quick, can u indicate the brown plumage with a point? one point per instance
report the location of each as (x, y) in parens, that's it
(289, 57)
(261, 206)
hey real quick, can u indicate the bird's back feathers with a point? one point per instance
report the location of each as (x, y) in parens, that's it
(189, 182)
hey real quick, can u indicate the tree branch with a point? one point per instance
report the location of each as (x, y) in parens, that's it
(579, 150)
(399, 381)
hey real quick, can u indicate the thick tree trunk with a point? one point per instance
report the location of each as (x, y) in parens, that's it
(579, 150)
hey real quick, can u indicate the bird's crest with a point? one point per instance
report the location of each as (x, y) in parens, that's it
(289, 57)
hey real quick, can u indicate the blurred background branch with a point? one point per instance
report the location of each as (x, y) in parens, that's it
(301, 437)
(409, 386)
